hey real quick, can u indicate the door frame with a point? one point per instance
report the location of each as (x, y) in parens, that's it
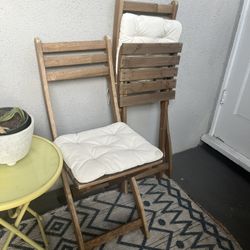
(210, 138)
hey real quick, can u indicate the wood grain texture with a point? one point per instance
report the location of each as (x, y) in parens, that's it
(150, 48)
(165, 137)
(148, 61)
(112, 83)
(174, 9)
(147, 74)
(145, 86)
(124, 229)
(57, 61)
(44, 81)
(73, 46)
(119, 4)
(118, 176)
(139, 204)
(133, 100)
(72, 209)
(70, 74)
(153, 171)
(149, 8)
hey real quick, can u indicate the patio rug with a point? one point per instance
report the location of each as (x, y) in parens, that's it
(174, 220)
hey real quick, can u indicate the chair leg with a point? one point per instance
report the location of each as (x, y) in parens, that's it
(139, 205)
(72, 210)
(170, 166)
(165, 138)
(124, 187)
(160, 175)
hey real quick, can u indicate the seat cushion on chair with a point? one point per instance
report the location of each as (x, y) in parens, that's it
(148, 29)
(107, 150)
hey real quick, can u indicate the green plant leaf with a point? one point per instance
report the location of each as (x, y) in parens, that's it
(10, 114)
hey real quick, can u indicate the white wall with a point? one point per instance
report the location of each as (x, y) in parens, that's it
(208, 29)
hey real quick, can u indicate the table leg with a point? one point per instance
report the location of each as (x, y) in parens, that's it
(14, 230)
(17, 222)
(39, 221)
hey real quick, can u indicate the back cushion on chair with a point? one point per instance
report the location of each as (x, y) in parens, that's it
(148, 29)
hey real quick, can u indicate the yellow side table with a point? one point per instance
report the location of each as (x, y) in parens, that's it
(28, 179)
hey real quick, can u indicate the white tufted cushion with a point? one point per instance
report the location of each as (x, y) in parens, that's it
(148, 29)
(107, 150)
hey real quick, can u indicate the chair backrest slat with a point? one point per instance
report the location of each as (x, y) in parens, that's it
(132, 100)
(57, 61)
(148, 8)
(73, 46)
(148, 61)
(70, 74)
(150, 48)
(146, 86)
(146, 73)
(75, 60)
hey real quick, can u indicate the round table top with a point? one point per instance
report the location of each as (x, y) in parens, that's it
(32, 176)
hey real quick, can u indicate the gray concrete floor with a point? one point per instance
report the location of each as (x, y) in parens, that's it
(220, 186)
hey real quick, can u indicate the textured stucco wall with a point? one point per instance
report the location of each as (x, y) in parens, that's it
(208, 30)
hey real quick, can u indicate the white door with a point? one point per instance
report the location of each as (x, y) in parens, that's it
(230, 130)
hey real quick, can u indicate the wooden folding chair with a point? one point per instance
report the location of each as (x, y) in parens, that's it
(146, 72)
(57, 62)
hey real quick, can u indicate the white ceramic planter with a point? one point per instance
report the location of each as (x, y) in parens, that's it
(16, 146)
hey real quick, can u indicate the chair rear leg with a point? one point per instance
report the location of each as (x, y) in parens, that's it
(160, 175)
(170, 166)
(139, 205)
(124, 185)
(169, 153)
(165, 139)
(72, 210)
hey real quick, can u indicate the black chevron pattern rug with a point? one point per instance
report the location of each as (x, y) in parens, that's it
(174, 220)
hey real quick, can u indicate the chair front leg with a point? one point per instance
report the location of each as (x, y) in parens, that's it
(139, 205)
(72, 210)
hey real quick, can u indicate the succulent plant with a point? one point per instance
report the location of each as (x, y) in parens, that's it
(7, 116)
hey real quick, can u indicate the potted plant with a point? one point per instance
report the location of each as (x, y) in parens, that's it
(16, 130)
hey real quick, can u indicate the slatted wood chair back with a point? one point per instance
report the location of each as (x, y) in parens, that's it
(147, 72)
(140, 8)
(75, 60)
